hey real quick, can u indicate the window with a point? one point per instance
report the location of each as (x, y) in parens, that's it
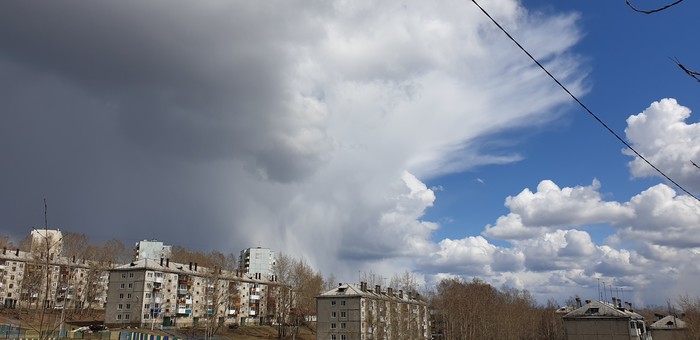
(131, 274)
(119, 316)
(128, 296)
(126, 316)
(334, 314)
(131, 285)
(342, 303)
(333, 337)
(128, 306)
(121, 286)
(120, 306)
(333, 325)
(146, 316)
(148, 295)
(343, 314)
(121, 296)
(343, 337)
(146, 306)
(123, 275)
(333, 303)
(342, 325)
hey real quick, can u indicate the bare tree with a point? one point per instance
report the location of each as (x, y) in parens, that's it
(295, 298)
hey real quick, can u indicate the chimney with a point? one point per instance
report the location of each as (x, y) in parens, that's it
(588, 301)
(377, 289)
(578, 302)
(390, 291)
(410, 295)
(195, 266)
(17, 252)
(4, 250)
(400, 294)
(161, 261)
(363, 286)
(190, 265)
(73, 258)
(167, 262)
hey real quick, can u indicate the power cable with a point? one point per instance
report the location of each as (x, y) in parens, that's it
(582, 104)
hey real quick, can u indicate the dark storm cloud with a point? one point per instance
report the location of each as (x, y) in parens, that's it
(200, 82)
(132, 118)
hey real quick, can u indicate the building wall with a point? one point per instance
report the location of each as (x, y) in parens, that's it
(152, 250)
(257, 260)
(597, 329)
(338, 316)
(669, 334)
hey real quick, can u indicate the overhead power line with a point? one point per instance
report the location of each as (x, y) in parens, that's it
(651, 10)
(580, 103)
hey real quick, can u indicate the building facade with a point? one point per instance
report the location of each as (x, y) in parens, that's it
(36, 280)
(604, 320)
(152, 249)
(354, 312)
(257, 261)
(160, 293)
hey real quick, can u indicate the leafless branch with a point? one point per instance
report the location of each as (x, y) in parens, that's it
(653, 10)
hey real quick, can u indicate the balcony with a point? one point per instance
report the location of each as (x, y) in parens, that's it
(158, 279)
(255, 297)
(185, 311)
(252, 312)
(182, 291)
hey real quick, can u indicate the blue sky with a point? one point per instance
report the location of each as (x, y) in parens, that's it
(382, 137)
(627, 61)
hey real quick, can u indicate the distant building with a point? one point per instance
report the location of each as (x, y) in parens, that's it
(152, 250)
(257, 261)
(355, 312)
(47, 241)
(155, 293)
(669, 327)
(603, 320)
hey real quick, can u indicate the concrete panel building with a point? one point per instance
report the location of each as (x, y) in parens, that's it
(257, 261)
(355, 312)
(600, 320)
(152, 249)
(160, 293)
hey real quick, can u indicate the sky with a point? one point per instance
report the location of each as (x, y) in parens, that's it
(365, 136)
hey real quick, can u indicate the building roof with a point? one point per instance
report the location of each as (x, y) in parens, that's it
(187, 269)
(668, 322)
(602, 310)
(354, 290)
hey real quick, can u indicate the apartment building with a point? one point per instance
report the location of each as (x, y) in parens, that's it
(152, 249)
(72, 283)
(160, 293)
(257, 261)
(354, 312)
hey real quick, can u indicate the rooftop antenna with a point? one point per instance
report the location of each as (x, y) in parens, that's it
(622, 289)
(605, 294)
(599, 296)
(46, 220)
